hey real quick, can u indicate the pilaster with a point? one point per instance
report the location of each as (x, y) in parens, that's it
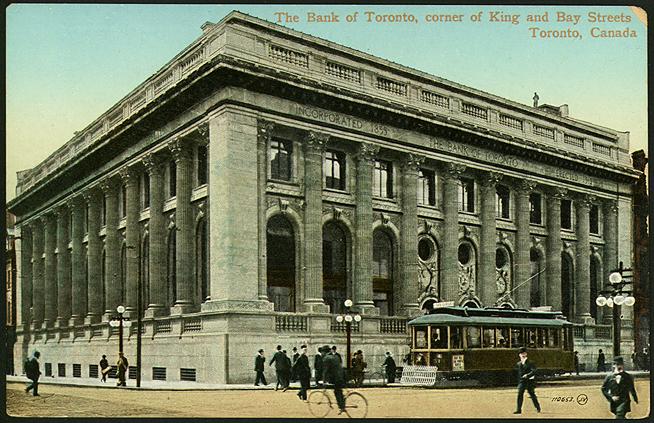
(486, 283)
(522, 283)
(449, 260)
(582, 260)
(553, 260)
(93, 198)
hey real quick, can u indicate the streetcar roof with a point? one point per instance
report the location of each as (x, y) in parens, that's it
(463, 316)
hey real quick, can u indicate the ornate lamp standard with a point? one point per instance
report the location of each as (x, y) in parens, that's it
(120, 321)
(348, 317)
(614, 297)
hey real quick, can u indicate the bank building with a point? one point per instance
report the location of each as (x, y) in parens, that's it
(264, 176)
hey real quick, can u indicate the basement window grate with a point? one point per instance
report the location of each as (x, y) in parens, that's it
(77, 370)
(187, 374)
(93, 371)
(158, 373)
(48, 369)
(61, 370)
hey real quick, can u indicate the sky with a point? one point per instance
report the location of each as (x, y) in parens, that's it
(66, 64)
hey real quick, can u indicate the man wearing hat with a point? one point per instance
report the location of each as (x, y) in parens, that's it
(302, 371)
(333, 373)
(259, 363)
(279, 358)
(390, 366)
(526, 380)
(617, 388)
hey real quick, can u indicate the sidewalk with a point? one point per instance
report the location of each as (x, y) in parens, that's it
(197, 386)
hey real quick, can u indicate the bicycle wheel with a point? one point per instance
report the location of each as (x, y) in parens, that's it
(356, 405)
(319, 403)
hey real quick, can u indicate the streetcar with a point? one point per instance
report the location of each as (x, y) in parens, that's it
(483, 343)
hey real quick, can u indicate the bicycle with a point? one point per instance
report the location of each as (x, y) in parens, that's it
(321, 402)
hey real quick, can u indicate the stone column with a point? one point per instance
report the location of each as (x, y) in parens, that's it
(313, 158)
(449, 259)
(79, 292)
(610, 259)
(184, 225)
(264, 132)
(362, 289)
(26, 282)
(38, 281)
(582, 261)
(522, 273)
(64, 291)
(113, 286)
(486, 286)
(553, 259)
(409, 284)
(50, 274)
(129, 178)
(93, 197)
(156, 239)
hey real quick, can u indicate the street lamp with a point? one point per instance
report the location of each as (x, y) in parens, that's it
(614, 297)
(118, 322)
(348, 317)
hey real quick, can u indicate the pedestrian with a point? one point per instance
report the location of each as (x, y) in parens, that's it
(526, 380)
(33, 372)
(286, 371)
(303, 372)
(601, 361)
(122, 367)
(294, 358)
(337, 354)
(259, 363)
(407, 359)
(317, 367)
(104, 368)
(333, 373)
(278, 359)
(358, 368)
(390, 366)
(618, 386)
(577, 362)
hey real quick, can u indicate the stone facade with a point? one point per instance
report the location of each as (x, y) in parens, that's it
(263, 176)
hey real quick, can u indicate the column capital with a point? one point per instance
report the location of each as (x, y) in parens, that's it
(179, 149)
(453, 170)
(60, 210)
(412, 162)
(108, 185)
(265, 129)
(90, 194)
(584, 201)
(75, 202)
(127, 174)
(203, 131)
(316, 141)
(525, 186)
(610, 206)
(367, 152)
(151, 163)
(490, 179)
(558, 192)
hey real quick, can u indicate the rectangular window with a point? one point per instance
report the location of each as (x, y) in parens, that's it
(488, 338)
(280, 163)
(467, 195)
(172, 179)
(566, 214)
(382, 182)
(93, 371)
(426, 187)
(594, 219)
(502, 196)
(473, 337)
(334, 169)
(145, 191)
(439, 336)
(202, 164)
(123, 200)
(535, 208)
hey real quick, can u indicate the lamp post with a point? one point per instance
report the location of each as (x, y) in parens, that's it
(615, 297)
(348, 317)
(120, 321)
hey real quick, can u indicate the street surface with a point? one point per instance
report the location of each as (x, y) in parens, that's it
(569, 399)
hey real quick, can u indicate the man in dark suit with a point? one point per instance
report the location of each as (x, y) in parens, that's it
(337, 354)
(33, 373)
(617, 388)
(302, 371)
(601, 361)
(526, 380)
(333, 373)
(317, 366)
(259, 363)
(294, 358)
(390, 366)
(280, 363)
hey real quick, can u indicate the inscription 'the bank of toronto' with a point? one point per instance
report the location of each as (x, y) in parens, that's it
(475, 153)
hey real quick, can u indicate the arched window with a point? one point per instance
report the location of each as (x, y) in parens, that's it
(280, 251)
(145, 273)
(537, 289)
(201, 264)
(428, 265)
(123, 273)
(467, 267)
(567, 285)
(172, 271)
(382, 272)
(334, 266)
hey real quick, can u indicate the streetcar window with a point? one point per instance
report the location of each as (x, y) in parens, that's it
(421, 338)
(517, 338)
(542, 337)
(531, 337)
(436, 359)
(438, 337)
(420, 360)
(503, 338)
(456, 338)
(473, 337)
(488, 338)
(553, 338)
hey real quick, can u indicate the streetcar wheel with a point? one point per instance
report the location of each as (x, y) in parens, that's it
(319, 403)
(356, 405)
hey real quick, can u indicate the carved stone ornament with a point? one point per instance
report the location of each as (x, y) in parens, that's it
(584, 201)
(502, 236)
(413, 162)
(594, 249)
(490, 179)
(466, 279)
(151, 163)
(283, 205)
(610, 206)
(178, 149)
(559, 193)
(171, 220)
(367, 152)
(427, 225)
(203, 130)
(107, 185)
(566, 245)
(126, 174)
(265, 129)
(316, 141)
(337, 212)
(526, 186)
(454, 170)
(467, 231)
(535, 241)
(75, 202)
(384, 218)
